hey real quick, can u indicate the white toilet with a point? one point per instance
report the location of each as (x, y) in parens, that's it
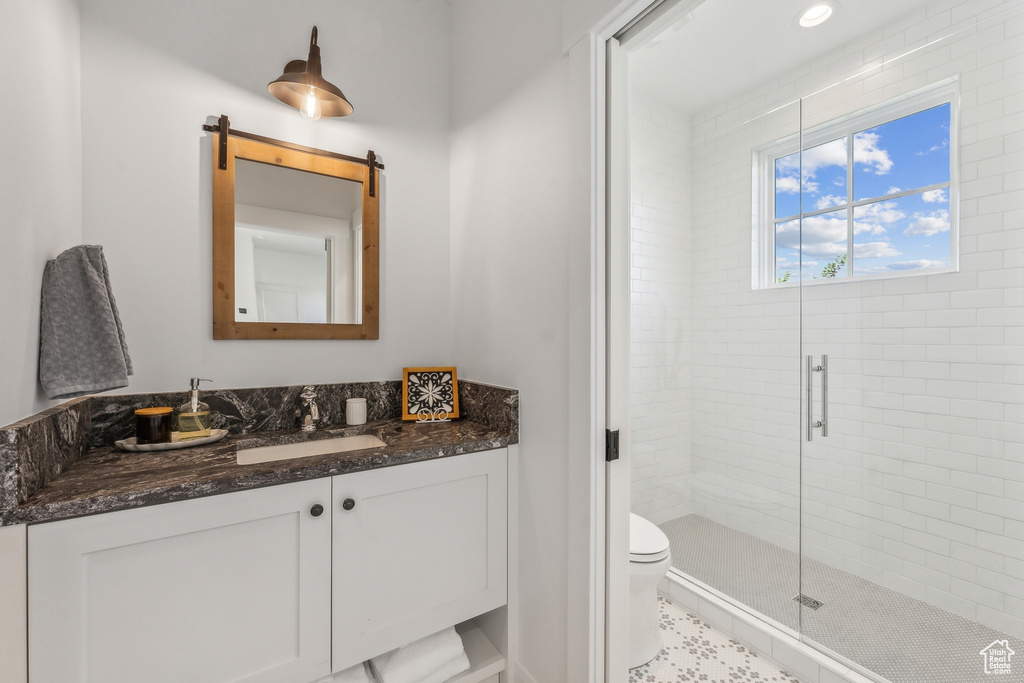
(649, 559)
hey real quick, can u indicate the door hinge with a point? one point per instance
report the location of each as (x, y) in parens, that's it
(611, 444)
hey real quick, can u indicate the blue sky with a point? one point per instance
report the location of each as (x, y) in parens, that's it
(890, 235)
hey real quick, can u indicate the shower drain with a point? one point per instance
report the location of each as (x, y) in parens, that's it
(807, 601)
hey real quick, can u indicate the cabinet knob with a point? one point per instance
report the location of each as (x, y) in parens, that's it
(316, 510)
(348, 504)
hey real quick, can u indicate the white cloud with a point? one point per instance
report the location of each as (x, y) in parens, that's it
(934, 148)
(861, 227)
(929, 224)
(874, 250)
(822, 236)
(828, 200)
(827, 250)
(873, 218)
(883, 212)
(866, 151)
(829, 154)
(916, 265)
(786, 184)
(934, 196)
(893, 190)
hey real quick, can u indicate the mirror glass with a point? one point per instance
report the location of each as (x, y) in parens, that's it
(298, 243)
(296, 235)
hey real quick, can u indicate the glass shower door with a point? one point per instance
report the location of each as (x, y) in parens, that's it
(736, 338)
(912, 464)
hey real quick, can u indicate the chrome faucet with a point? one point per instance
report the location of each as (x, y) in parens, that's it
(309, 415)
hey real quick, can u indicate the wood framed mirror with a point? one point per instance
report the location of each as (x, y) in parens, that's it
(295, 242)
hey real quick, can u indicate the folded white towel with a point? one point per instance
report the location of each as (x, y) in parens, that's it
(412, 663)
(456, 666)
(353, 674)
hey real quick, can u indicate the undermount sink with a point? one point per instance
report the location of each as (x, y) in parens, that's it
(304, 449)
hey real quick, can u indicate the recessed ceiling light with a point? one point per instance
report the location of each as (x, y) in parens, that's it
(816, 14)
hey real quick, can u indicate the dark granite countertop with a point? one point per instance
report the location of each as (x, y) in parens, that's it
(105, 478)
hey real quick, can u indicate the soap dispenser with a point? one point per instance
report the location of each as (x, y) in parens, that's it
(194, 415)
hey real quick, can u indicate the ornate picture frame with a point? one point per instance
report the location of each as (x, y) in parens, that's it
(430, 394)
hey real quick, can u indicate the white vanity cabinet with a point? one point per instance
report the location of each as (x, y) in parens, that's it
(233, 587)
(416, 548)
(248, 587)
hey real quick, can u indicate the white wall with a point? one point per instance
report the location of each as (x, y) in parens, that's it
(40, 178)
(245, 276)
(745, 345)
(253, 222)
(919, 485)
(279, 275)
(580, 16)
(521, 288)
(660, 272)
(515, 267)
(152, 78)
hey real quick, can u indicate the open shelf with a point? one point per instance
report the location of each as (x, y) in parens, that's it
(485, 661)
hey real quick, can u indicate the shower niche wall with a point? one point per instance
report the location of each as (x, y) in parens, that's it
(808, 216)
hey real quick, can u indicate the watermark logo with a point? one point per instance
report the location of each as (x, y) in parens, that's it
(997, 657)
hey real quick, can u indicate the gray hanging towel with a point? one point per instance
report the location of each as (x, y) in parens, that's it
(81, 342)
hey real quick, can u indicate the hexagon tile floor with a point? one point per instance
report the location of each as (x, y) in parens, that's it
(899, 638)
(696, 651)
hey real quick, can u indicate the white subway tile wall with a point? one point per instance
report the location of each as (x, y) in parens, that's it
(920, 485)
(660, 258)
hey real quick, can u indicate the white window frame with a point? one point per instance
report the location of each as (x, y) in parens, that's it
(944, 92)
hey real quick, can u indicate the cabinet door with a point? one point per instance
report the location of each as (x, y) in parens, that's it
(423, 548)
(234, 587)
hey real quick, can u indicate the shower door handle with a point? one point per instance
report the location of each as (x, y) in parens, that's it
(809, 380)
(823, 368)
(812, 424)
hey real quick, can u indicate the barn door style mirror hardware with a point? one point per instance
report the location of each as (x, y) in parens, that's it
(223, 129)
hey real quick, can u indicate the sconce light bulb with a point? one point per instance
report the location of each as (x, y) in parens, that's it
(310, 108)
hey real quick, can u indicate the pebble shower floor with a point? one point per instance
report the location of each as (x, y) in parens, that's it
(696, 651)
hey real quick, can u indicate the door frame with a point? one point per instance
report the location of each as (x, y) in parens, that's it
(616, 362)
(609, 500)
(635, 22)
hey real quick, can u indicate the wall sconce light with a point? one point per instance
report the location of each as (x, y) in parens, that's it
(301, 86)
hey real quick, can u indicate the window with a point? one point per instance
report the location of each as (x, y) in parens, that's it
(874, 198)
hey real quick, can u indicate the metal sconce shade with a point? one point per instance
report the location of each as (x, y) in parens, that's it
(300, 78)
